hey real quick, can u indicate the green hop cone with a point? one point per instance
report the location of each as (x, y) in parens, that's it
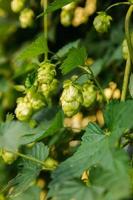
(8, 157)
(46, 72)
(35, 99)
(24, 109)
(71, 98)
(66, 17)
(102, 22)
(47, 84)
(26, 18)
(49, 90)
(89, 94)
(17, 5)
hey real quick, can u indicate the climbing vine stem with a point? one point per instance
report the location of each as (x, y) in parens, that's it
(117, 4)
(130, 57)
(45, 26)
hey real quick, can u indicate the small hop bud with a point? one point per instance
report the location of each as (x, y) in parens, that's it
(89, 94)
(8, 157)
(102, 22)
(26, 18)
(66, 17)
(17, 5)
(71, 98)
(24, 109)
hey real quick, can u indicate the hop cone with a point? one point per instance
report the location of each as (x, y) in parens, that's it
(71, 98)
(102, 22)
(89, 94)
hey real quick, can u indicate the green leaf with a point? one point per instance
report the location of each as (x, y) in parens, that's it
(94, 150)
(76, 57)
(29, 169)
(55, 125)
(102, 185)
(65, 49)
(11, 133)
(119, 118)
(34, 49)
(131, 85)
(32, 193)
(57, 4)
(105, 181)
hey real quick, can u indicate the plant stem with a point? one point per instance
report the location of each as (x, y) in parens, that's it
(126, 79)
(130, 57)
(127, 31)
(46, 27)
(89, 71)
(117, 4)
(29, 158)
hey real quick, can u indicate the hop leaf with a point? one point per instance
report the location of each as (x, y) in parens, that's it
(102, 22)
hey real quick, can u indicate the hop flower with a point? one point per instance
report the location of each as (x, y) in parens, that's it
(46, 73)
(49, 89)
(66, 17)
(47, 84)
(35, 99)
(17, 5)
(102, 22)
(26, 18)
(71, 98)
(24, 109)
(89, 94)
(67, 14)
(8, 157)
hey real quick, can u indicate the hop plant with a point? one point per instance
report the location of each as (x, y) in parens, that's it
(71, 98)
(17, 5)
(47, 84)
(24, 109)
(102, 22)
(26, 18)
(89, 94)
(8, 157)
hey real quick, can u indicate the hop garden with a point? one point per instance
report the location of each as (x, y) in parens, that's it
(66, 100)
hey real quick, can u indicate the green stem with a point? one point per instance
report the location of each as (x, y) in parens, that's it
(89, 71)
(117, 4)
(29, 158)
(130, 57)
(46, 27)
(126, 79)
(127, 31)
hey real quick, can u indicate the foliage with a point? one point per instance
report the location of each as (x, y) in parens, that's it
(66, 100)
